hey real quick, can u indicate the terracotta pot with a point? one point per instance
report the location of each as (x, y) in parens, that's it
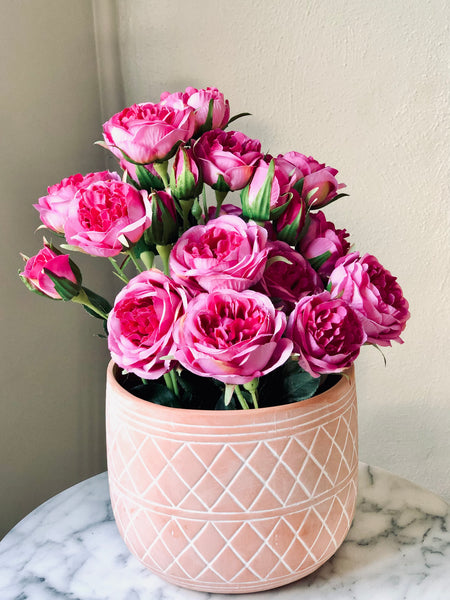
(233, 501)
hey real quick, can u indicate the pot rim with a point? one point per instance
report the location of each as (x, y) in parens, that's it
(338, 390)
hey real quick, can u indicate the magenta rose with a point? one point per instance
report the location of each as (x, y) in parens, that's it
(231, 336)
(141, 324)
(199, 100)
(374, 294)
(323, 243)
(227, 158)
(148, 132)
(320, 185)
(54, 207)
(326, 332)
(60, 266)
(106, 216)
(227, 252)
(287, 277)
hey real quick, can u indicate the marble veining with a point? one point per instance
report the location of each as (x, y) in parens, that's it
(398, 548)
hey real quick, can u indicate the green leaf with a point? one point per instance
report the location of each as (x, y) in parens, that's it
(156, 392)
(147, 180)
(287, 384)
(243, 114)
(201, 393)
(97, 301)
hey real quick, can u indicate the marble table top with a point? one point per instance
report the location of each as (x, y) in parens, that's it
(69, 547)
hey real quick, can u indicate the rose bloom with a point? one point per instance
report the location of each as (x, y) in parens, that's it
(227, 252)
(103, 216)
(374, 294)
(316, 175)
(54, 207)
(59, 265)
(289, 278)
(231, 336)
(140, 325)
(199, 100)
(326, 332)
(227, 154)
(323, 237)
(148, 132)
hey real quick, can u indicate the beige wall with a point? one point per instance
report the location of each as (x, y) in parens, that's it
(52, 367)
(362, 85)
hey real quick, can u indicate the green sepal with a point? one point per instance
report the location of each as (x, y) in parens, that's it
(332, 200)
(290, 233)
(279, 210)
(97, 301)
(143, 245)
(259, 209)
(298, 186)
(30, 287)
(64, 287)
(220, 185)
(164, 229)
(185, 187)
(207, 125)
(318, 261)
(235, 117)
(148, 181)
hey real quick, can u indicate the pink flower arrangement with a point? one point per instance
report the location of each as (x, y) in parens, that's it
(246, 294)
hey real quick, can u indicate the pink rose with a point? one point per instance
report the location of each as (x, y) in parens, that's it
(374, 294)
(224, 253)
(164, 223)
(36, 278)
(148, 132)
(287, 277)
(326, 332)
(54, 207)
(289, 226)
(320, 185)
(199, 100)
(323, 243)
(140, 325)
(105, 216)
(231, 336)
(267, 192)
(227, 158)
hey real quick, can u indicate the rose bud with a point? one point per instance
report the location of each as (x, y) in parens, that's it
(287, 277)
(268, 193)
(374, 294)
(185, 179)
(53, 208)
(106, 217)
(140, 326)
(212, 111)
(231, 336)
(326, 332)
(164, 225)
(226, 158)
(227, 252)
(225, 209)
(290, 225)
(148, 132)
(52, 274)
(323, 244)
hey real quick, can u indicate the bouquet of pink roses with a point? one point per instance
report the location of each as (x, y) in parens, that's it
(256, 300)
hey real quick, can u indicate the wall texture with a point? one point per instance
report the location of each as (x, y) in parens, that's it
(52, 366)
(363, 86)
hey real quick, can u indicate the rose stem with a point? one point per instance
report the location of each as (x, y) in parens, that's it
(161, 169)
(118, 270)
(220, 197)
(135, 262)
(147, 258)
(164, 252)
(83, 299)
(173, 376)
(168, 381)
(241, 398)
